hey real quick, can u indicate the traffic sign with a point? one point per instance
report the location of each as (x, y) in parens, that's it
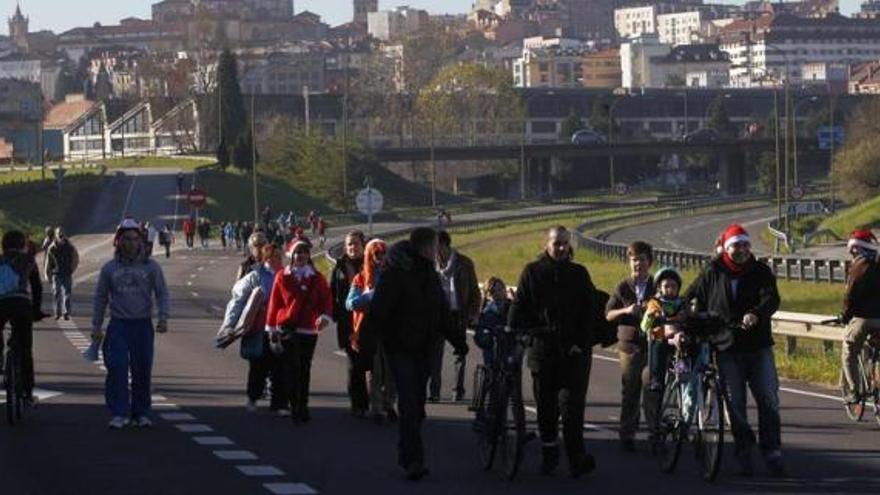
(797, 192)
(826, 136)
(369, 201)
(806, 208)
(621, 188)
(196, 198)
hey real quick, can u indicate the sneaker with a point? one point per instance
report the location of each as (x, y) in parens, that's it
(250, 406)
(774, 464)
(581, 465)
(391, 415)
(117, 423)
(57, 317)
(458, 396)
(142, 422)
(283, 413)
(434, 399)
(66, 317)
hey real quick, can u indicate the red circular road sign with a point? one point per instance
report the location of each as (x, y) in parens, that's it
(196, 198)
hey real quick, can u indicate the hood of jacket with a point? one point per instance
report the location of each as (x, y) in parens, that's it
(401, 256)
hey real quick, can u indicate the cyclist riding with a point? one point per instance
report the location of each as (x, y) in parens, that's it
(21, 294)
(861, 308)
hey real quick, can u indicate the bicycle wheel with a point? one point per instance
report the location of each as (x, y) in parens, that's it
(671, 428)
(710, 427)
(514, 437)
(486, 423)
(854, 410)
(10, 384)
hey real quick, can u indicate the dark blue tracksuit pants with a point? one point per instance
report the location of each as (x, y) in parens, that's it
(128, 346)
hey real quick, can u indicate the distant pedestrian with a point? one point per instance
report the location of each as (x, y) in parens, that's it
(152, 236)
(189, 232)
(407, 310)
(322, 231)
(299, 309)
(267, 216)
(166, 239)
(63, 260)
(129, 284)
(179, 182)
(459, 280)
(48, 239)
(239, 242)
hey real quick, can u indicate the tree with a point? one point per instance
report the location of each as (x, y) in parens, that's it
(570, 125)
(856, 173)
(719, 120)
(223, 154)
(600, 119)
(243, 152)
(227, 101)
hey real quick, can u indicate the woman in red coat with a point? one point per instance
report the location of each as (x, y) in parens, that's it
(299, 308)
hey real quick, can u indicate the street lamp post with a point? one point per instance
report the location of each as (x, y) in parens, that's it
(254, 159)
(787, 103)
(345, 137)
(611, 141)
(831, 159)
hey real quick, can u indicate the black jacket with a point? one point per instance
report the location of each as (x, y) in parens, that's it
(625, 295)
(561, 294)
(340, 283)
(756, 293)
(409, 306)
(862, 289)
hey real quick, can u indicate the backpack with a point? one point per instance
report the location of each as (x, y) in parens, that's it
(10, 280)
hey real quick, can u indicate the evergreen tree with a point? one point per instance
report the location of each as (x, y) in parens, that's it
(243, 153)
(223, 154)
(570, 125)
(229, 99)
(719, 120)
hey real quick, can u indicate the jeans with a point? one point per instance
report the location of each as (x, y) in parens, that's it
(298, 353)
(383, 392)
(128, 346)
(357, 381)
(438, 346)
(18, 313)
(658, 359)
(857, 332)
(410, 372)
(757, 370)
(61, 287)
(560, 388)
(267, 366)
(634, 393)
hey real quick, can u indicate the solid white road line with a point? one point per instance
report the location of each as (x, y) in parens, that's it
(166, 405)
(289, 488)
(206, 440)
(248, 470)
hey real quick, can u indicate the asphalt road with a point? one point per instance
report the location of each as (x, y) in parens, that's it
(204, 441)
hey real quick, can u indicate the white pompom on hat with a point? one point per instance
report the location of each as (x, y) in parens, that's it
(864, 239)
(733, 234)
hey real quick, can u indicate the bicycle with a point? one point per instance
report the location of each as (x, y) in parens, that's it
(693, 400)
(869, 377)
(500, 421)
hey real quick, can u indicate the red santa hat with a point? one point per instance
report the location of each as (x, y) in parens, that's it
(864, 239)
(733, 234)
(297, 242)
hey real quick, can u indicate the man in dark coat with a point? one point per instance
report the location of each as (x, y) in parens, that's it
(743, 292)
(556, 293)
(349, 265)
(408, 309)
(459, 280)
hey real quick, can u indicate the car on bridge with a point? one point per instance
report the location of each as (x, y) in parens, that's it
(701, 136)
(588, 137)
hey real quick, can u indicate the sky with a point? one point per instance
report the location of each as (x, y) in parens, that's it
(61, 15)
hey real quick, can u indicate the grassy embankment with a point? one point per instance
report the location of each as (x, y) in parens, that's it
(39, 205)
(865, 215)
(187, 164)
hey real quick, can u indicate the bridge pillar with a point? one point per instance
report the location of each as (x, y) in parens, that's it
(732, 172)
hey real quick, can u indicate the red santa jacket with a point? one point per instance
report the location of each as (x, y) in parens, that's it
(297, 304)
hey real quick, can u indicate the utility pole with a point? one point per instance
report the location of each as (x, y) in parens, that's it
(254, 159)
(345, 136)
(778, 168)
(833, 137)
(787, 149)
(433, 170)
(219, 109)
(522, 161)
(306, 109)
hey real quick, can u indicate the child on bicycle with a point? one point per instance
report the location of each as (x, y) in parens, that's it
(661, 312)
(493, 317)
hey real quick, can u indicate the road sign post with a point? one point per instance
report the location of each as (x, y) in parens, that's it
(369, 201)
(196, 198)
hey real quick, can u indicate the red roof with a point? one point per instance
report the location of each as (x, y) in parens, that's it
(63, 114)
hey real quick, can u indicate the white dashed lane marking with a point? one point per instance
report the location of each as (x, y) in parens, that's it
(194, 428)
(250, 470)
(289, 488)
(213, 441)
(235, 455)
(177, 417)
